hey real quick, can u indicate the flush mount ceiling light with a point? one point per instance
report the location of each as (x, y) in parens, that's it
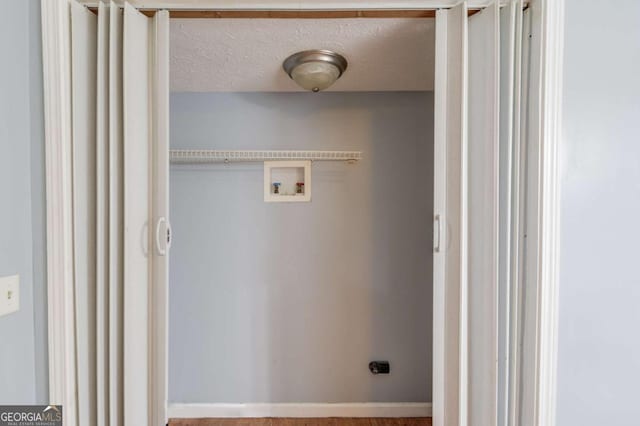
(315, 70)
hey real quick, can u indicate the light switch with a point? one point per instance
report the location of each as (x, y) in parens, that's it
(9, 294)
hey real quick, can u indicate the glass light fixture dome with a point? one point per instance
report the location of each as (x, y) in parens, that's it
(315, 70)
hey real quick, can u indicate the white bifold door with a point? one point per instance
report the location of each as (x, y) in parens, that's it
(120, 95)
(472, 223)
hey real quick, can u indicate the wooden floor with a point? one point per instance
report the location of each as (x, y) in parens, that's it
(422, 421)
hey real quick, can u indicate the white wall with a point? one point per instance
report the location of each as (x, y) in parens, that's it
(290, 302)
(599, 336)
(23, 365)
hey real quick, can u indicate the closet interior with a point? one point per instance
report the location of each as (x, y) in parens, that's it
(301, 221)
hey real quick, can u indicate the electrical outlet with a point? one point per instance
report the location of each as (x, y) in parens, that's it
(379, 367)
(9, 294)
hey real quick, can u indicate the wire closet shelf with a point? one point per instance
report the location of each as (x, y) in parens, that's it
(193, 156)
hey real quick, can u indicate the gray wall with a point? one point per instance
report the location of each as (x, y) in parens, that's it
(289, 302)
(599, 336)
(23, 365)
(38, 205)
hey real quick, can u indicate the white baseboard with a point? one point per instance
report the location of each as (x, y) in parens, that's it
(364, 409)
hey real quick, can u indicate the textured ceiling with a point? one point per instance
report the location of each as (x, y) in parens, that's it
(245, 55)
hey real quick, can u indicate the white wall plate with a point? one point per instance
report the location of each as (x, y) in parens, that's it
(9, 294)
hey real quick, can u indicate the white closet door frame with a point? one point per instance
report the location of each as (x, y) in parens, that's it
(541, 101)
(57, 95)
